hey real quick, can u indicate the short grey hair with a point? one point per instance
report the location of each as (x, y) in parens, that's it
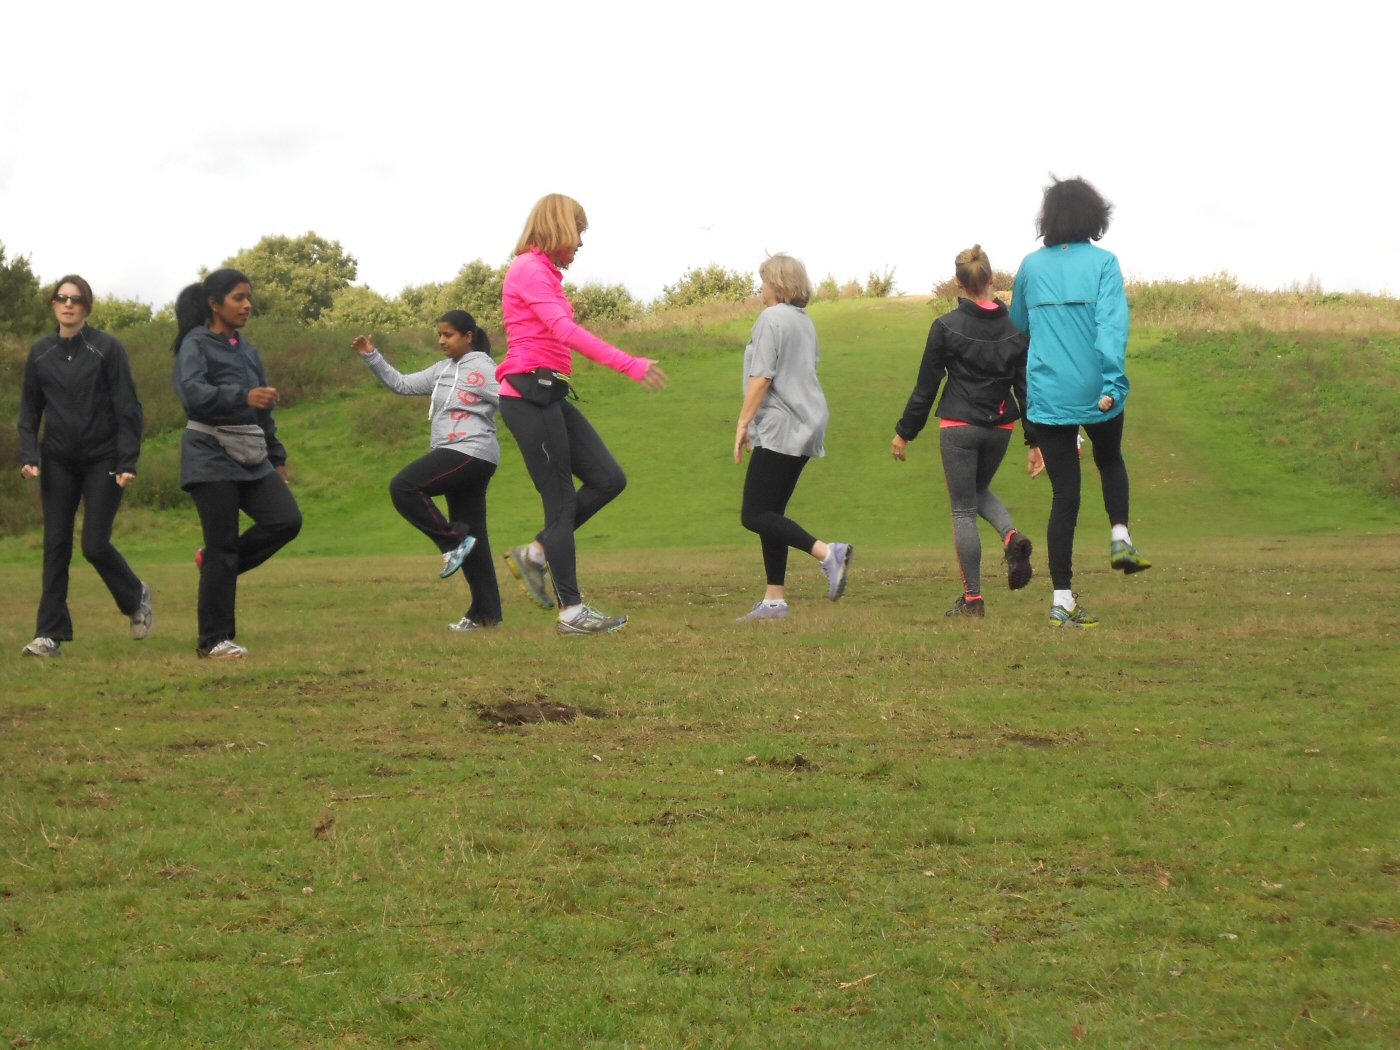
(788, 279)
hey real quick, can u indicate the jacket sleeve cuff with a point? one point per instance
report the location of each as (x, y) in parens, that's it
(903, 431)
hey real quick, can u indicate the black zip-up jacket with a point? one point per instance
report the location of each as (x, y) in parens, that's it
(212, 378)
(983, 356)
(81, 388)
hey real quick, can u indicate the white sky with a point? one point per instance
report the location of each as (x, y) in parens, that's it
(141, 140)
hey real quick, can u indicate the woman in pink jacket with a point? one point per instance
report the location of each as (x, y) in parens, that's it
(556, 441)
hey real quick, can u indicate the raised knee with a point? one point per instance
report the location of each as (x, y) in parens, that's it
(400, 487)
(291, 527)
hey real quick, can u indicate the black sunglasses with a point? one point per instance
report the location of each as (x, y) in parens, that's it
(77, 300)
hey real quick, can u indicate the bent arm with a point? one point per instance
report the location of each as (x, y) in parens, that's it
(753, 398)
(417, 384)
(932, 372)
(198, 395)
(127, 407)
(276, 451)
(1111, 336)
(31, 411)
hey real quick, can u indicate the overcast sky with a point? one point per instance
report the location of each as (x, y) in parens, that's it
(141, 140)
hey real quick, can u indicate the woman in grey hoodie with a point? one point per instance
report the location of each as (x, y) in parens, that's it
(463, 396)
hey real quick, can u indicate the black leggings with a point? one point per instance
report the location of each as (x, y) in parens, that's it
(1058, 446)
(463, 480)
(61, 486)
(768, 486)
(559, 444)
(227, 555)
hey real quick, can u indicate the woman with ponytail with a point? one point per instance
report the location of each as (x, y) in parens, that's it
(230, 459)
(462, 397)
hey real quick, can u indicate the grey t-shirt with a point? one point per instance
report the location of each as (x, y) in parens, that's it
(793, 416)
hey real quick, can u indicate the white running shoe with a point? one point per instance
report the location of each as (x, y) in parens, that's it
(144, 618)
(225, 650)
(590, 621)
(41, 647)
(466, 623)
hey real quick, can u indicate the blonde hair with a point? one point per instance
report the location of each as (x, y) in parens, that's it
(555, 222)
(788, 279)
(974, 269)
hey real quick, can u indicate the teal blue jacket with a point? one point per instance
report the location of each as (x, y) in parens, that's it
(1070, 300)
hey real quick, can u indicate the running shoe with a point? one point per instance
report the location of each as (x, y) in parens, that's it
(225, 650)
(837, 567)
(466, 623)
(199, 558)
(452, 560)
(534, 578)
(765, 611)
(966, 606)
(1125, 556)
(41, 647)
(1076, 617)
(590, 621)
(1018, 561)
(144, 618)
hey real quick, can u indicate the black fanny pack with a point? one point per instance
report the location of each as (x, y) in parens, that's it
(543, 386)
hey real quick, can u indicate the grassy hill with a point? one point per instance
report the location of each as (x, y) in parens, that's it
(1199, 464)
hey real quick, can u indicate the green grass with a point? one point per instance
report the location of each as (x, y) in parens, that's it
(1175, 831)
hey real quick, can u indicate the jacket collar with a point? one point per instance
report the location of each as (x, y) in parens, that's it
(73, 342)
(548, 262)
(970, 308)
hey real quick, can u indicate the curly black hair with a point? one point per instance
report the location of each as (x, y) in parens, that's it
(1072, 210)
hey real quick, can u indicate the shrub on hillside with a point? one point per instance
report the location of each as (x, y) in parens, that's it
(112, 314)
(602, 304)
(22, 308)
(476, 289)
(362, 309)
(828, 291)
(295, 278)
(852, 289)
(709, 284)
(880, 285)
(1001, 282)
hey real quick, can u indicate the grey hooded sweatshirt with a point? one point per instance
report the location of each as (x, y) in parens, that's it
(463, 396)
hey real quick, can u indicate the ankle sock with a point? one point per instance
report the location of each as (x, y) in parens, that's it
(775, 603)
(1120, 534)
(972, 597)
(570, 614)
(1065, 600)
(535, 554)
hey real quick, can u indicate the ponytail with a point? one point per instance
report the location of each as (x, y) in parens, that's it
(192, 304)
(466, 324)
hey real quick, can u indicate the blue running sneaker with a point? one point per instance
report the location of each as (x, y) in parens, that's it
(452, 560)
(837, 567)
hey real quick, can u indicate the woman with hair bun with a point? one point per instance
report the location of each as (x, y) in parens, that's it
(230, 458)
(556, 440)
(783, 424)
(982, 355)
(462, 397)
(77, 381)
(1069, 298)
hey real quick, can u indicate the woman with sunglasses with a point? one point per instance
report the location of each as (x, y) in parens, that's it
(77, 381)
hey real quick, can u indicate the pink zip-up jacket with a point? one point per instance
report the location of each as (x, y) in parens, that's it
(540, 327)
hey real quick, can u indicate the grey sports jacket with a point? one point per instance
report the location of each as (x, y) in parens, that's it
(463, 396)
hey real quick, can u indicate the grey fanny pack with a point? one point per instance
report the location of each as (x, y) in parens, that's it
(244, 444)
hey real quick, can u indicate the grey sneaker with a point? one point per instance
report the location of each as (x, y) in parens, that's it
(765, 611)
(964, 607)
(225, 650)
(41, 647)
(466, 623)
(144, 618)
(590, 621)
(452, 560)
(534, 578)
(836, 567)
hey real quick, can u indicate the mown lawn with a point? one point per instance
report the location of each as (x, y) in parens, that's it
(1177, 831)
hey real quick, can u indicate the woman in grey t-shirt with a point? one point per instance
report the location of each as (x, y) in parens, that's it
(783, 422)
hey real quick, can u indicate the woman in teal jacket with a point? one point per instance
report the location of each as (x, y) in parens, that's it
(1069, 298)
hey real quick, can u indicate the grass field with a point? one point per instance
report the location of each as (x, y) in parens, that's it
(1178, 830)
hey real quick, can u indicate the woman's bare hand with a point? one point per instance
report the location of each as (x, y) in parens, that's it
(897, 447)
(29, 471)
(282, 473)
(1105, 403)
(125, 479)
(363, 345)
(654, 379)
(1035, 463)
(261, 397)
(741, 442)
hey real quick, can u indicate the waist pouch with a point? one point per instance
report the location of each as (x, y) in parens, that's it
(543, 386)
(246, 445)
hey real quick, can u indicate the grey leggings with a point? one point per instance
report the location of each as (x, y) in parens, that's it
(971, 456)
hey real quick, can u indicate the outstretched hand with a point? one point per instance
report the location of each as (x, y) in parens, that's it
(1035, 463)
(654, 379)
(897, 447)
(363, 345)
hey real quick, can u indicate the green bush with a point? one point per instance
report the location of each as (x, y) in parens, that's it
(112, 314)
(602, 304)
(476, 289)
(22, 308)
(295, 278)
(828, 291)
(880, 285)
(361, 308)
(710, 284)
